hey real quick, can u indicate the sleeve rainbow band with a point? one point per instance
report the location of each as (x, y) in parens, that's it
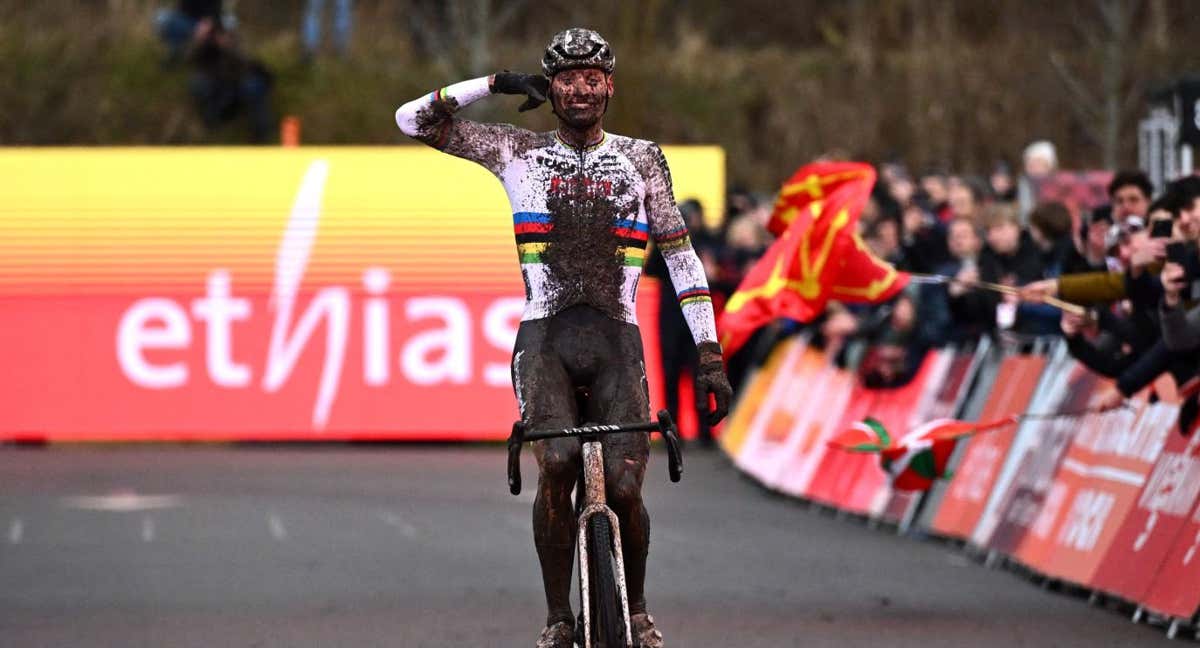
(674, 240)
(694, 296)
(443, 133)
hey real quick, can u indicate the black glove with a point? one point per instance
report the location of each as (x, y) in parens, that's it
(533, 86)
(711, 379)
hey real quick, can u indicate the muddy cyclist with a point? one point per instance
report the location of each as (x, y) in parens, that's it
(585, 203)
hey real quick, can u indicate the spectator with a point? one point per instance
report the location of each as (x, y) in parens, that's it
(176, 27)
(1011, 259)
(343, 11)
(1050, 229)
(923, 240)
(1092, 253)
(973, 311)
(225, 83)
(745, 240)
(1039, 161)
(1130, 193)
(934, 196)
(677, 349)
(1003, 187)
(882, 236)
(966, 198)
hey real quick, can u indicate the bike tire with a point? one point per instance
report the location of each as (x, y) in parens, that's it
(607, 615)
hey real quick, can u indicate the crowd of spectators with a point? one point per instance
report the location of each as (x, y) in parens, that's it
(1133, 264)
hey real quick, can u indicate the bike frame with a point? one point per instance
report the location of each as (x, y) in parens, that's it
(595, 502)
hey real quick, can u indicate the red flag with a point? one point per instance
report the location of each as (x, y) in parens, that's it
(818, 256)
(921, 457)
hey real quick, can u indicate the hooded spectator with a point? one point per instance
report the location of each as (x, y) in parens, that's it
(1039, 161)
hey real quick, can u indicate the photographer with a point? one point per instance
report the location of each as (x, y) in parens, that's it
(1176, 284)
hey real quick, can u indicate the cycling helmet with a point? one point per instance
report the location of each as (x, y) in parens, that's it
(577, 48)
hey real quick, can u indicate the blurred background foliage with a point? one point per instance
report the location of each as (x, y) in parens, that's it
(933, 83)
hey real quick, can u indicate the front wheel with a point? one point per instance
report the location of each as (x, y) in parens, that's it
(607, 615)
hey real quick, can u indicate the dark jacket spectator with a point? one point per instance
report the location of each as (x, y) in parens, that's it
(1050, 229)
(176, 27)
(1012, 259)
(226, 83)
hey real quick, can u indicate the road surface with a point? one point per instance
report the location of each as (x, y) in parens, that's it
(423, 547)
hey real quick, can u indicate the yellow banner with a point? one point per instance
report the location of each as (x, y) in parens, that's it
(118, 219)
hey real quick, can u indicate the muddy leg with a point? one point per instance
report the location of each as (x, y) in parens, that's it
(554, 531)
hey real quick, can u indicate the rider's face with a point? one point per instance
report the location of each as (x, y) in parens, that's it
(581, 96)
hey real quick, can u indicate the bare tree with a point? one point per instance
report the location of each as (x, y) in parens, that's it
(1107, 34)
(458, 34)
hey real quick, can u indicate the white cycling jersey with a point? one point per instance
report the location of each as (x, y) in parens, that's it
(581, 216)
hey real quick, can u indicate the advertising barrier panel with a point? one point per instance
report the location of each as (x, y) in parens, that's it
(1048, 396)
(1155, 521)
(1174, 591)
(795, 413)
(217, 293)
(944, 395)
(1109, 500)
(853, 481)
(758, 386)
(769, 424)
(976, 474)
(1098, 483)
(806, 448)
(1031, 502)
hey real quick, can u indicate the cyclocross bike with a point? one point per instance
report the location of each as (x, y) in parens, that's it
(603, 599)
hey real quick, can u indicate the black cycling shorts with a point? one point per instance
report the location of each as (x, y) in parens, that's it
(581, 347)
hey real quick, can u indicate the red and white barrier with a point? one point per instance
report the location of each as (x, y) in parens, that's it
(1108, 501)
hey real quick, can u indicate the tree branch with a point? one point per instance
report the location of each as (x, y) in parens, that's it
(1084, 101)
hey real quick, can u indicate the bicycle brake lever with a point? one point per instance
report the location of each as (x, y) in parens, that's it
(666, 426)
(515, 440)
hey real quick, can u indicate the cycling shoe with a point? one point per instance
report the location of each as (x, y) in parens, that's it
(559, 635)
(645, 635)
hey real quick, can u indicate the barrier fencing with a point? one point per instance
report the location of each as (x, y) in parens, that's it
(1105, 501)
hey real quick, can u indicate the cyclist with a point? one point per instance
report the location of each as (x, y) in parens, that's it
(584, 202)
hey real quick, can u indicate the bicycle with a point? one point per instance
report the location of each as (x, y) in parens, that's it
(601, 563)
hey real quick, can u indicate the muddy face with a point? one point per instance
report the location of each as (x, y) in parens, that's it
(580, 97)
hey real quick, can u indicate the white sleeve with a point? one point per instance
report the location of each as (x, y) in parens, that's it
(671, 236)
(411, 116)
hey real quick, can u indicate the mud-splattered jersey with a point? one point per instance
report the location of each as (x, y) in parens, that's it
(582, 217)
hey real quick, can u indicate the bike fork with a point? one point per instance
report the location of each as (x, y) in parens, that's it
(595, 504)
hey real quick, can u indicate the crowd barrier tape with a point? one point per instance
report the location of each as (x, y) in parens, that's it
(1108, 501)
(259, 293)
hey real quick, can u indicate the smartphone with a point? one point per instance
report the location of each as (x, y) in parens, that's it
(1177, 252)
(1186, 255)
(1161, 228)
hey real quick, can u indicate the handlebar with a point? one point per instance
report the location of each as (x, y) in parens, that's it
(664, 426)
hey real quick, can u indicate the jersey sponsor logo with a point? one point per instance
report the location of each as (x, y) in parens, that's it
(577, 184)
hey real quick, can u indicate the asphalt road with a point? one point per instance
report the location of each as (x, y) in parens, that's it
(415, 547)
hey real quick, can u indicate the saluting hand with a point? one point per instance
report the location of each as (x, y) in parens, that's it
(533, 86)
